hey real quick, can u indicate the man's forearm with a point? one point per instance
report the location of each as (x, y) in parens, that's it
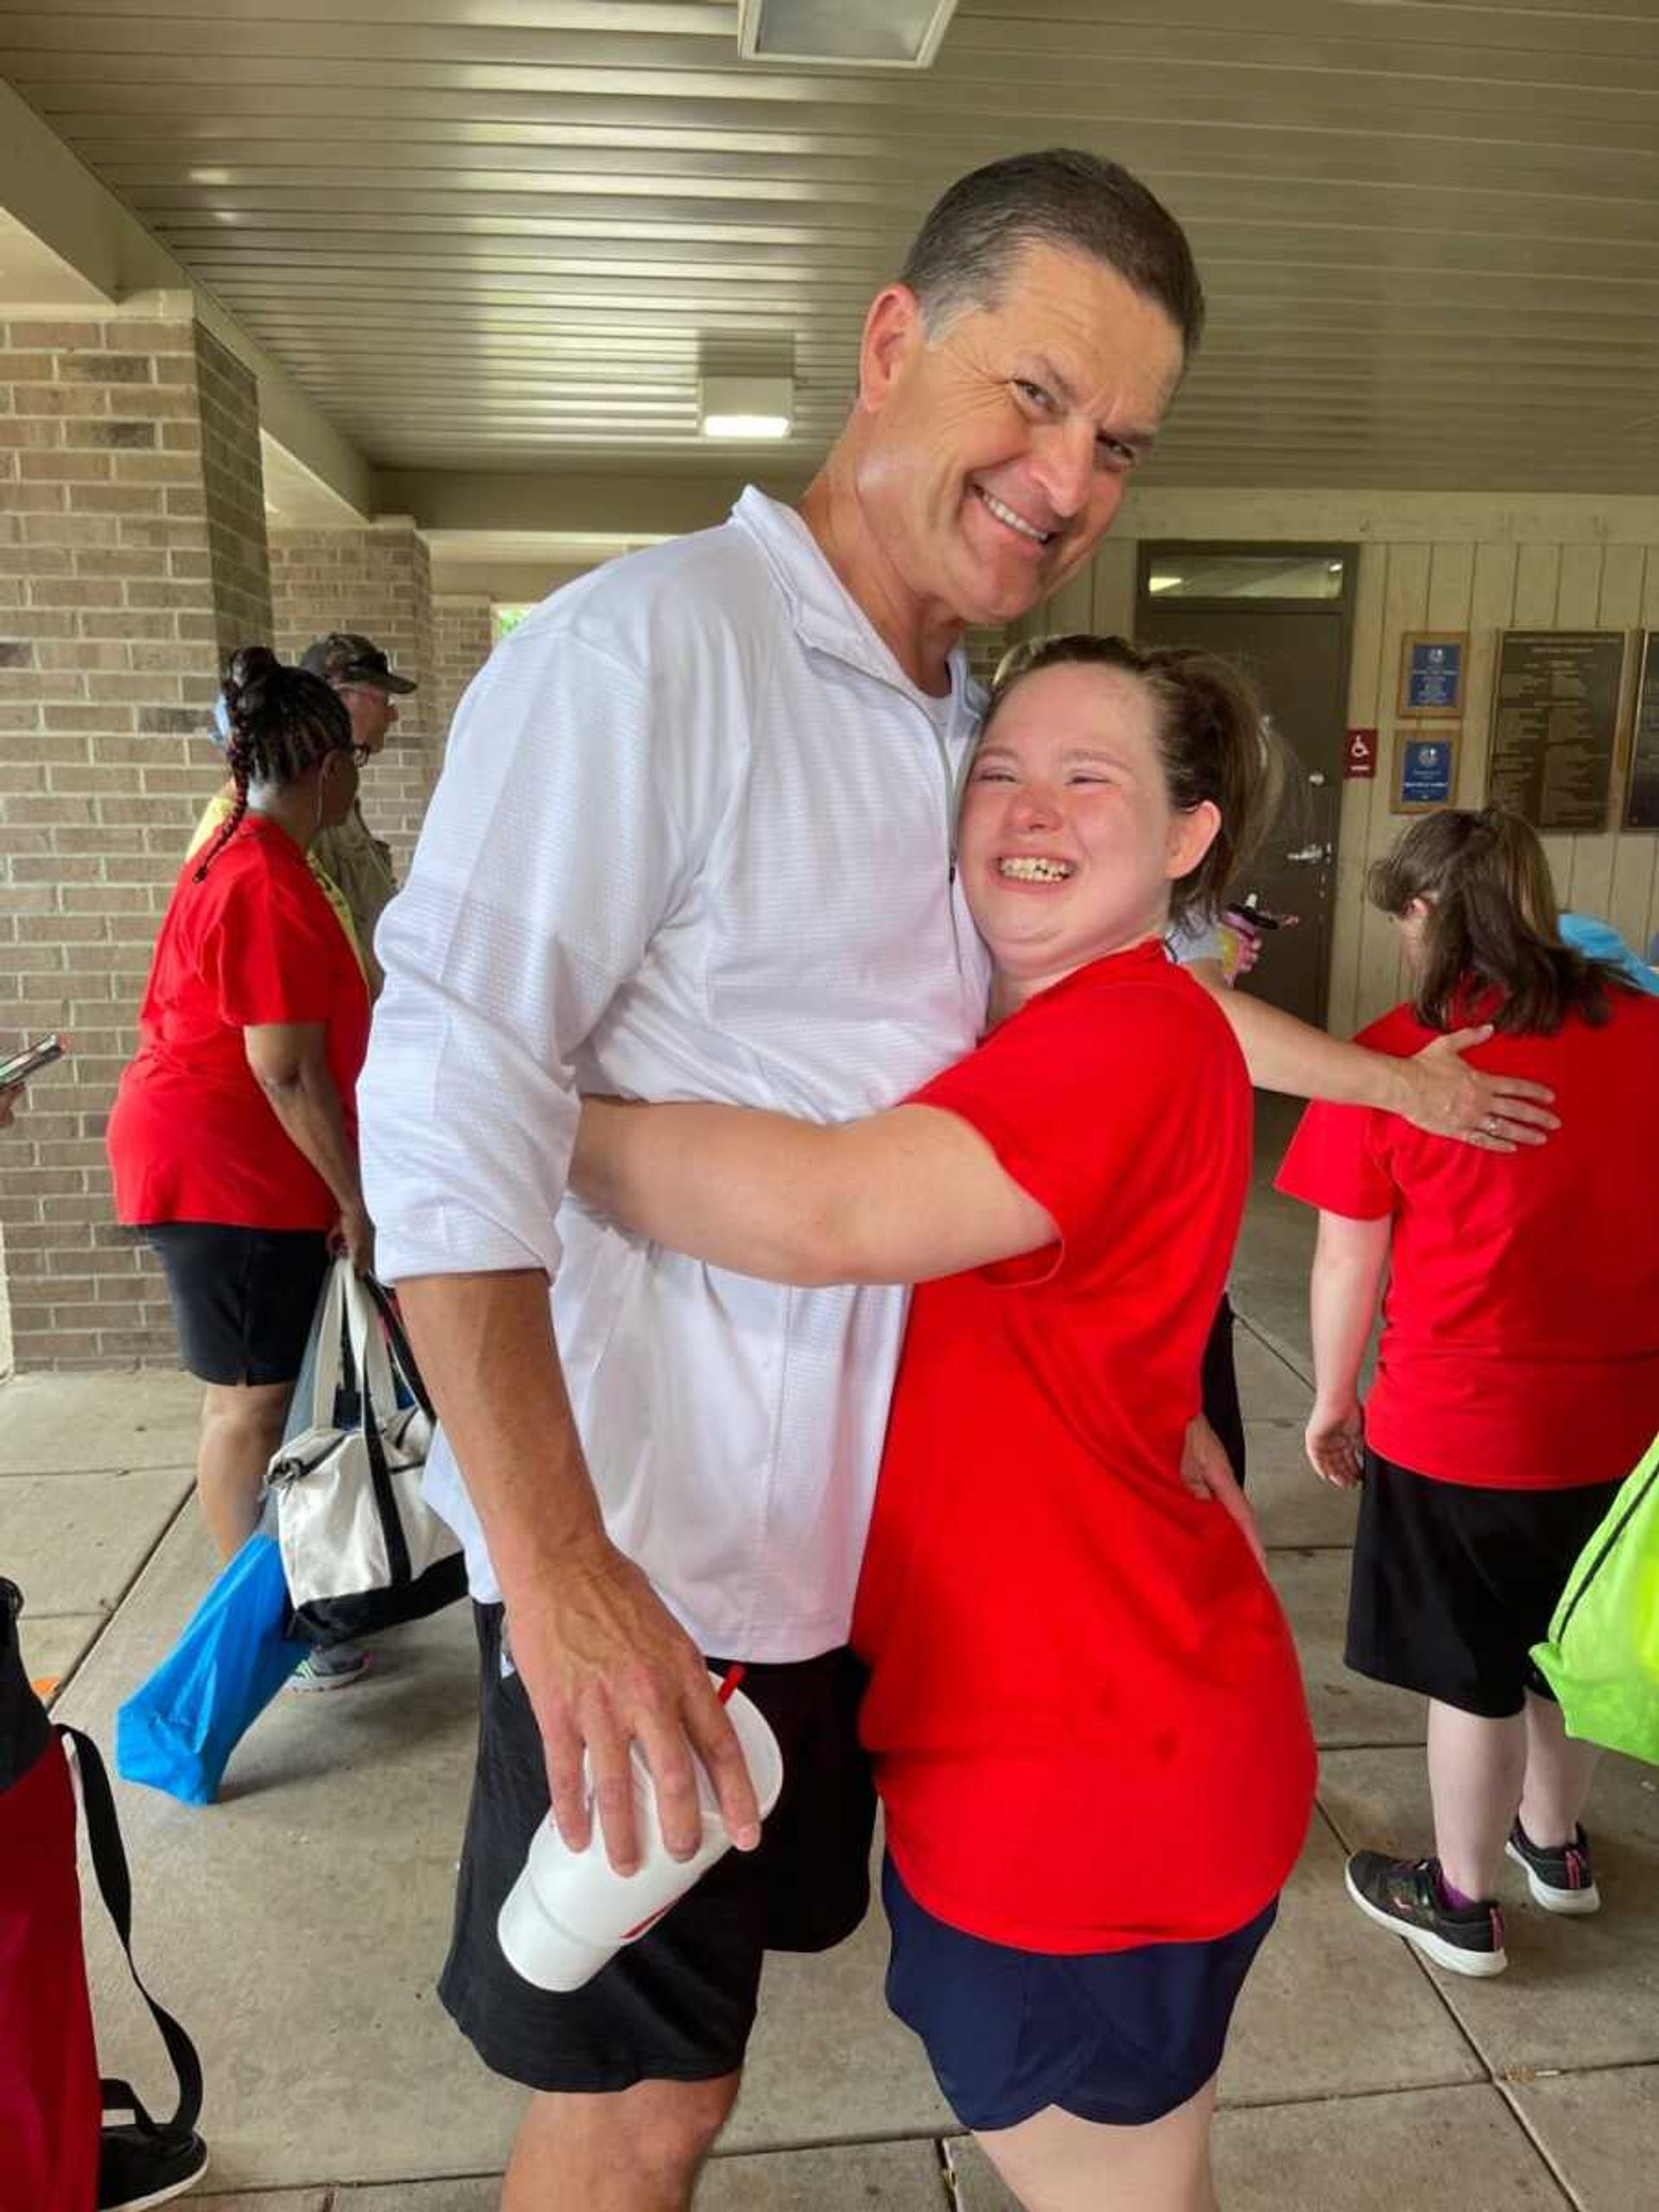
(488, 1354)
(1284, 1054)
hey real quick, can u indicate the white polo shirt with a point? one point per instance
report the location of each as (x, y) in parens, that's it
(692, 840)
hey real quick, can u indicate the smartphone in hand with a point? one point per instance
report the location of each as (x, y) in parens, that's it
(33, 1057)
(1250, 913)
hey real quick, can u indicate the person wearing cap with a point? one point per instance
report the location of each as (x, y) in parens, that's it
(350, 855)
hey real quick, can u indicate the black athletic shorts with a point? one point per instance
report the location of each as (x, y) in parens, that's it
(242, 1299)
(1220, 1406)
(1454, 1583)
(677, 2005)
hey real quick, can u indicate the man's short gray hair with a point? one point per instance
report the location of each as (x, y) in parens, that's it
(966, 249)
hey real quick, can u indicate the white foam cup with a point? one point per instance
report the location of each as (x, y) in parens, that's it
(570, 1911)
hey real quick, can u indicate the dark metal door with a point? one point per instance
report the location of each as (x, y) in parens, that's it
(1298, 655)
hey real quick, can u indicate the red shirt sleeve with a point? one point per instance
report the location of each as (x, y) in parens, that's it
(1338, 1159)
(1333, 1163)
(270, 954)
(1087, 1091)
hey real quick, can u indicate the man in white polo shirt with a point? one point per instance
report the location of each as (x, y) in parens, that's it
(693, 838)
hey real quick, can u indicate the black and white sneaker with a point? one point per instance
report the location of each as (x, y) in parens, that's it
(1562, 1879)
(1406, 1897)
(331, 1667)
(139, 2166)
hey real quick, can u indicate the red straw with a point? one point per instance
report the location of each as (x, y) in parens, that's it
(731, 1682)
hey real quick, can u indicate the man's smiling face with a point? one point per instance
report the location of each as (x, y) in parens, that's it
(997, 452)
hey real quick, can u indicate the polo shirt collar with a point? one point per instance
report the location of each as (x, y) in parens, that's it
(824, 614)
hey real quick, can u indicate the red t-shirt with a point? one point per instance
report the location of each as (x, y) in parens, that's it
(192, 1137)
(1519, 1346)
(1086, 1708)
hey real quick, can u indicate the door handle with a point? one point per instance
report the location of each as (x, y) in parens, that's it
(1308, 855)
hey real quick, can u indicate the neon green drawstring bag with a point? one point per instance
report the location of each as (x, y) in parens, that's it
(1602, 1659)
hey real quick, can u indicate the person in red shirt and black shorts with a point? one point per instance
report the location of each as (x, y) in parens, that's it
(233, 1137)
(1084, 1707)
(1517, 1377)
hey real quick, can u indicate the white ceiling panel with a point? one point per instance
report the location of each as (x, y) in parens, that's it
(499, 233)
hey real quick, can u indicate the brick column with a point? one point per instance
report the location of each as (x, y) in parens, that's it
(131, 551)
(233, 481)
(463, 631)
(377, 581)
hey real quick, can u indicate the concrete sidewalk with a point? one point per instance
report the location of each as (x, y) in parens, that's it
(297, 1926)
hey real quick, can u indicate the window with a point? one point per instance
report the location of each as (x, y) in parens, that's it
(1290, 575)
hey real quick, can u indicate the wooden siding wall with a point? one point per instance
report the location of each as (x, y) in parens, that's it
(1435, 563)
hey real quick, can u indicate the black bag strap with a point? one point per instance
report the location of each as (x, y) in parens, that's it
(399, 1566)
(402, 1352)
(115, 1885)
(1609, 1544)
(25, 1731)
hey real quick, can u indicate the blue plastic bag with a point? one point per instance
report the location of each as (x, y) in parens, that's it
(178, 1731)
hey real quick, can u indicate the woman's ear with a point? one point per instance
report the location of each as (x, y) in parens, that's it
(1192, 833)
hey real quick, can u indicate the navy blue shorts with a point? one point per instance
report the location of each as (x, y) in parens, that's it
(1119, 2037)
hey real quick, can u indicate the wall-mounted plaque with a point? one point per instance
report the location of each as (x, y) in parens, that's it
(1554, 716)
(1431, 673)
(1426, 769)
(1642, 798)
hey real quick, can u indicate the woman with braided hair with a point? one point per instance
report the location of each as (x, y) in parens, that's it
(234, 1138)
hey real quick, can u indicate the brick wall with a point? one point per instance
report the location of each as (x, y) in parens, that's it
(377, 581)
(463, 631)
(234, 482)
(109, 635)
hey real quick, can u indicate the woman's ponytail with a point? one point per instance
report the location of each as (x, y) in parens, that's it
(1490, 947)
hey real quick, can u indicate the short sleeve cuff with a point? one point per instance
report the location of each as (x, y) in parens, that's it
(452, 1241)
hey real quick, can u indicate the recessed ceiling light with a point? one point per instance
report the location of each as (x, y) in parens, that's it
(843, 33)
(745, 407)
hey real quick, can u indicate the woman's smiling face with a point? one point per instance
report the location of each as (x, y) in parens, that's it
(1068, 842)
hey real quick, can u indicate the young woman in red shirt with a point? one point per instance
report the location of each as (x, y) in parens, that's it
(1084, 1707)
(1517, 1378)
(233, 1137)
